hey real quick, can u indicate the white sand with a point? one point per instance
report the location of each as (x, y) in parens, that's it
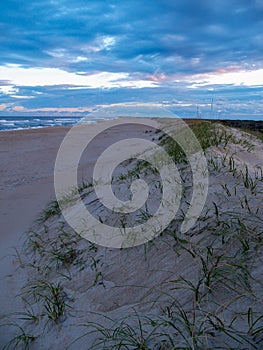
(27, 159)
(114, 282)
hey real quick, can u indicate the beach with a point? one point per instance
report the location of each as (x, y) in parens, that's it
(131, 175)
(27, 163)
(27, 159)
(68, 282)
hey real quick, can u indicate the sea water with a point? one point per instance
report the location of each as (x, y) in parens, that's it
(16, 123)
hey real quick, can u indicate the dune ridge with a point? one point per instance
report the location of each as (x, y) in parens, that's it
(200, 290)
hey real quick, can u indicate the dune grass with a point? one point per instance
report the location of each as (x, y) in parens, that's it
(218, 304)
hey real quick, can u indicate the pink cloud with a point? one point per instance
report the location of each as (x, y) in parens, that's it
(52, 109)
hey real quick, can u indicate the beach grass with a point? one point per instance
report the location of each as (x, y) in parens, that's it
(209, 293)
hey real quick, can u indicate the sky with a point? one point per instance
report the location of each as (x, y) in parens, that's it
(196, 58)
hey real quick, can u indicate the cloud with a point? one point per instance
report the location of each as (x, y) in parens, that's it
(225, 77)
(78, 110)
(19, 76)
(113, 35)
(8, 90)
(3, 106)
(54, 53)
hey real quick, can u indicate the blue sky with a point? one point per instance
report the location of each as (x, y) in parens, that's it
(60, 57)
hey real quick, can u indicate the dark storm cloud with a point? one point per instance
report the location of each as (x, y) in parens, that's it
(148, 36)
(164, 41)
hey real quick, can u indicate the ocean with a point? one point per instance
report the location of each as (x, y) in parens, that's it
(18, 123)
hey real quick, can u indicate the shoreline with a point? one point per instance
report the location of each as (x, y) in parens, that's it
(255, 124)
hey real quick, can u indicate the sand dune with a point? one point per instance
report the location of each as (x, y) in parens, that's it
(196, 291)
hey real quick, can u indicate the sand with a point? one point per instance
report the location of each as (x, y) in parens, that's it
(27, 159)
(145, 280)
